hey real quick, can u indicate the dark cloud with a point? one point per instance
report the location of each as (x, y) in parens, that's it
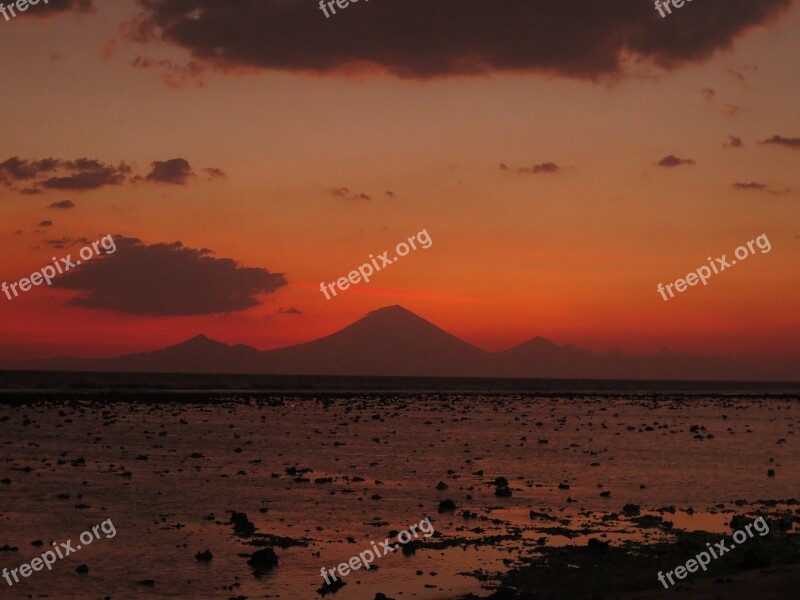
(733, 142)
(44, 224)
(55, 7)
(21, 169)
(175, 171)
(79, 175)
(84, 174)
(783, 141)
(63, 242)
(62, 204)
(453, 38)
(674, 161)
(167, 279)
(547, 167)
(290, 311)
(87, 174)
(708, 93)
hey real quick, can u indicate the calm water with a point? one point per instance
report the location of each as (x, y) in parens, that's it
(172, 505)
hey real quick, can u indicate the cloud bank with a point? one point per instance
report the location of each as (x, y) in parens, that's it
(167, 279)
(421, 39)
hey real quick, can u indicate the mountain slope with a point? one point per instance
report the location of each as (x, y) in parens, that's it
(388, 341)
(196, 355)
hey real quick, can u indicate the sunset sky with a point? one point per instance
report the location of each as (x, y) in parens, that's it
(524, 135)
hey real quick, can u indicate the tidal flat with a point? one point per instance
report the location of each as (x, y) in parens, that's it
(515, 485)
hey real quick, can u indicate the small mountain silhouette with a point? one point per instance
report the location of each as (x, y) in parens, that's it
(393, 341)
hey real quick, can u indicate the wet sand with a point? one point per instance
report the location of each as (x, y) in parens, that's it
(320, 479)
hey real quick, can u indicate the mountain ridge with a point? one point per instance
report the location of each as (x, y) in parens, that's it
(393, 341)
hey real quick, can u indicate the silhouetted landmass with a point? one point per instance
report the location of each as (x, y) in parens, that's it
(393, 341)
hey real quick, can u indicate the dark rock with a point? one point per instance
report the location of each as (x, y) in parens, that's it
(262, 561)
(241, 524)
(205, 556)
(503, 492)
(597, 546)
(631, 510)
(331, 588)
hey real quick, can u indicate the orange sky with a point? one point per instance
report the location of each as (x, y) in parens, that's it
(574, 256)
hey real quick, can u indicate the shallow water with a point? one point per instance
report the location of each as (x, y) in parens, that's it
(640, 451)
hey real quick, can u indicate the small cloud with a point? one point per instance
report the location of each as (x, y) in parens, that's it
(22, 169)
(109, 48)
(739, 75)
(548, 167)
(730, 109)
(88, 175)
(733, 142)
(390, 194)
(708, 93)
(778, 140)
(346, 194)
(214, 173)
(175, 171)
(63, 242)
(44, 224)
(174, 75)
(81, 174)
(673, 161)
(290, 311)
(62, 204)
(759, 187)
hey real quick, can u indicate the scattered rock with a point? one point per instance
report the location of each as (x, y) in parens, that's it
(241, 524)
(262, 561)
(205, 556)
